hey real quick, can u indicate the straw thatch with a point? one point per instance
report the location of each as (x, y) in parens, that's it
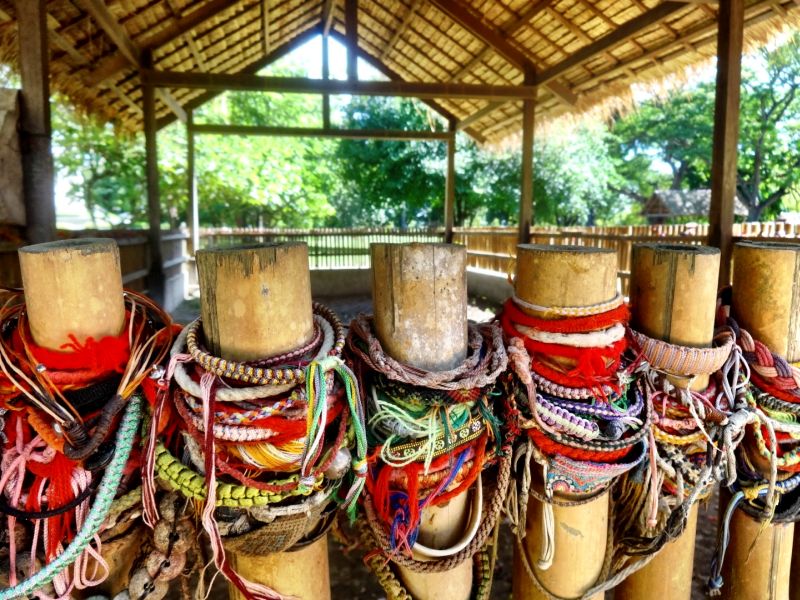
(414, 40)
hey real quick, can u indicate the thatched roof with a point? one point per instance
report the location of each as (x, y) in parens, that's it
(586, 53)
(668, 204)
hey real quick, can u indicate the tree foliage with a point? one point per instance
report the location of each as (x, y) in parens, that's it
(677, 132)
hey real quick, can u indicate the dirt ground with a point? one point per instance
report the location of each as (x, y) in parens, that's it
(351, 580)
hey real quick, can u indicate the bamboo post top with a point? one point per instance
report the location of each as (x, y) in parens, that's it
(674, 295)
(766, 294)
(72, 287)
(419, 294)
(255, 301)
(565, 275)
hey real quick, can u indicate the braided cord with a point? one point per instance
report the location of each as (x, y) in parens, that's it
(97, 514)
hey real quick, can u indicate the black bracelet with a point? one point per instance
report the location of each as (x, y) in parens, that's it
(12, 511)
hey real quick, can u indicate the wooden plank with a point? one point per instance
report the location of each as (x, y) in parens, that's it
(173, 104)
(116, 63)
(351, 32)
(730, 40)
(450, 185)
(497, 41)
(526, 200)
(296, 85)
(326, 99)
(618, 36)
(193, 218)
(155, 279)
(35, 127)
(314, 132)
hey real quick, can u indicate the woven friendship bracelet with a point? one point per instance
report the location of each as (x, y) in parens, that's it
(685, 361)
(249, 373)
(180, 478)
(571, 311)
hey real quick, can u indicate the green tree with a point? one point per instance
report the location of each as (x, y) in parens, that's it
(677, 132)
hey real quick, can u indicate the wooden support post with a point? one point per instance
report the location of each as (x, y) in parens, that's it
(155, 276)
(730, 36)
(326, 72)
(419, 293)
(74, 287)
(194, 207)
(565, 276)
(351, 31)
(450, 185)
(35, 130)
(526, 188)
(673, 298)
(766, 302)
(273, 282)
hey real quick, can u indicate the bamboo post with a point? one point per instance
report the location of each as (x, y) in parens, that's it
(256, 301)
(766, 302)
(74, 287)
(565, 276)
(419, 293)
(673, 298)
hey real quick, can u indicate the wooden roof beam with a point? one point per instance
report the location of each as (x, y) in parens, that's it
(618, 36)
(379, 65)
(299, 85)
(412, 10)
(253, 67)
(103, 17)
(189, 38)
(327, 16)
(116, 63)
(496, 40)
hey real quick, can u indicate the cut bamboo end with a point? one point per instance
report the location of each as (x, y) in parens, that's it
(565, 275)
(766, 294)
(72, 287)
(256, 301)
(419, 295)
(420, 304)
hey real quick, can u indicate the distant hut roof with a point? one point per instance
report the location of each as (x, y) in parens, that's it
(667, 204)
(585, 53)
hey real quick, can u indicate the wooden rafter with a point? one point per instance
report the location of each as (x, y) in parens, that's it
(103, 17)
(324, 132)
(412, 10)
(251, 68)
(618, 36)
(265, 25)
(197, 54)
(327, 16)
(116, 63)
